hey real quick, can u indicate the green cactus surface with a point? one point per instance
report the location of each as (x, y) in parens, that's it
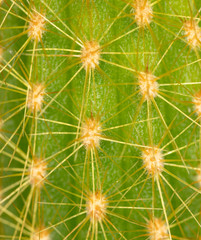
(100, 131)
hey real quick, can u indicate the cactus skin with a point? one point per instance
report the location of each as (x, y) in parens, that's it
(96, 128)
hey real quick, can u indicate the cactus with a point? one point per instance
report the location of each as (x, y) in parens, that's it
(100, 119)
